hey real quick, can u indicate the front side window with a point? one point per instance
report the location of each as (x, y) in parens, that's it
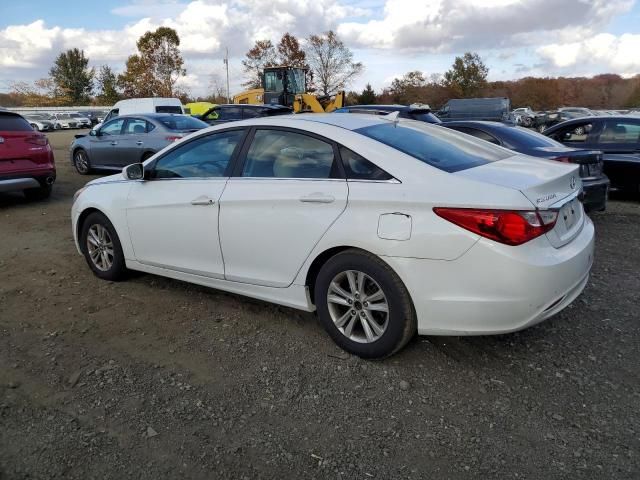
(359, 168)
(286, 154)
(251, 112)
(135, 126)
(114, 127)
(229, 113)
(207, 157)
(574, 134)
(273, 81)
(620, 131)
(439, 147)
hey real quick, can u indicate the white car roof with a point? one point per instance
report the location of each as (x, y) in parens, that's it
(342, 120)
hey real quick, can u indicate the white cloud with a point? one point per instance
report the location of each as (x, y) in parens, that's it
(391, 35)
(610, 52)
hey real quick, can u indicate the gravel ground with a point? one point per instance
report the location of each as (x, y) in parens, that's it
(154, 378)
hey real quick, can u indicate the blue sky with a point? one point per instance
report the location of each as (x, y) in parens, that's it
(516, 38)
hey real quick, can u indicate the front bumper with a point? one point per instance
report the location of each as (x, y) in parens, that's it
(595, 192)
(494, 288)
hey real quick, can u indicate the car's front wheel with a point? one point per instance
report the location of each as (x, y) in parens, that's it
(363, 305)
(81, 162)
(101, 247)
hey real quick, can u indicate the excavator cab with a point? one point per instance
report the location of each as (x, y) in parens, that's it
(282, 84)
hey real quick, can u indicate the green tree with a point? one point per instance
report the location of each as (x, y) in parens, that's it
(410, 88)
(263, 54)
(72, 77)
(107, 86)
(368, 96)
(468, 75)
(331, 62)
(156, 68)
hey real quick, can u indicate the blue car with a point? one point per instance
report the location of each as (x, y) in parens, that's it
(595, 183)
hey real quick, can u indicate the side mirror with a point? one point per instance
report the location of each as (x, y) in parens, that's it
(94, 133)
(135, 171)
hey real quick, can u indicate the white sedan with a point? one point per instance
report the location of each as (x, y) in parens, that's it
(385, 227)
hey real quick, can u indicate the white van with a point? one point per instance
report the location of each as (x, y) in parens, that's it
(144, 105)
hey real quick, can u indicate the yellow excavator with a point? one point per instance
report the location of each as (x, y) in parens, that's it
(287, 86)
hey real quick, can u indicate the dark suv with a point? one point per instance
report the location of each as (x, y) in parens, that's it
(415, 112)
(231, 112)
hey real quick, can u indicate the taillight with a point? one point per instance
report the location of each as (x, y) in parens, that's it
(172, 138)
(37, 140)
(511, 227)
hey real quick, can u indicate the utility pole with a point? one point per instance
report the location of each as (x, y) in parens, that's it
(226, 62)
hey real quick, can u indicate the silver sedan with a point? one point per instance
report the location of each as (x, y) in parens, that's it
(129, 139)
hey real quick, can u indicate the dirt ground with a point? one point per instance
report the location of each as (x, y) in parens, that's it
(153, 378)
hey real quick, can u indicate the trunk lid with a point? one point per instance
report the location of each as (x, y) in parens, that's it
(547, 184)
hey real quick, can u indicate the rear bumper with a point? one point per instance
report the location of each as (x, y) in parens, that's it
(595, 194)
(495, 288)
(15, 182)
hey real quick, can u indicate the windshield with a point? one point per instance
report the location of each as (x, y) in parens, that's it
(296, 81)
(182, 122)
(437, 146)
(64, 115)
(273, 81)
(519, 138)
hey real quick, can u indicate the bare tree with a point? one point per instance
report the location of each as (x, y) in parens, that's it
(331, 62)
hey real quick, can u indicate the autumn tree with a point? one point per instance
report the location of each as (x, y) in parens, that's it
(263, 54)
(331, 62)
(41, 93)
(156, 68)
(368, 96)
(468, 75)
(72, 77)
(107, 86)
(409, 88)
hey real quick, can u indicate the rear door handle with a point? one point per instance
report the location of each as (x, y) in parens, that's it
(318, 198)
(205, 201)
(114, 143)
(139, 142)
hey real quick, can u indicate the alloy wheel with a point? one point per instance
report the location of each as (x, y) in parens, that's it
(358, 306)
(82, 162)
(100, 247)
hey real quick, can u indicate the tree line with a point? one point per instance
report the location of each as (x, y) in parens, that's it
(157, 66)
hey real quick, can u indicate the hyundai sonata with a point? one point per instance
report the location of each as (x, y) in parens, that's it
(384, 226)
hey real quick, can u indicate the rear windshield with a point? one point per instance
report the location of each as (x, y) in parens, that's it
(182, 122)
(14, 123)
(168, 109)
(439, 147)
(519, 138)
(425, 117)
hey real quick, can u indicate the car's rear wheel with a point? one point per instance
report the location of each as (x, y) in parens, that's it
(40, 193)
(363, 305)
(101, 248)
(81, 162)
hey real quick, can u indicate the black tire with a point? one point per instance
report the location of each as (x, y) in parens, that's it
(117, 269)
(81, 162)
(41, 193)
(400, 320)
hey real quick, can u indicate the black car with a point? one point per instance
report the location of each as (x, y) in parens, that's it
(617, 136)
(415, 112)
(231, 112)
(595, 183)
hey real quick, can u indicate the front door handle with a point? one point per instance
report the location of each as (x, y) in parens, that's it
(318, 198)
(114, 143)
(139, 142)
(205, 201)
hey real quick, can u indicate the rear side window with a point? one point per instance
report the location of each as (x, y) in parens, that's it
(439, 147)
(168, 109)
(14, 123)
(229, 113)
(285, 154)
(135, 126)
(359, 168)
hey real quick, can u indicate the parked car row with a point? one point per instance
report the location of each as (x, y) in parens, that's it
(45, 122)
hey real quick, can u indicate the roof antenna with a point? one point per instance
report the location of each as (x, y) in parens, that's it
(393, 116)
